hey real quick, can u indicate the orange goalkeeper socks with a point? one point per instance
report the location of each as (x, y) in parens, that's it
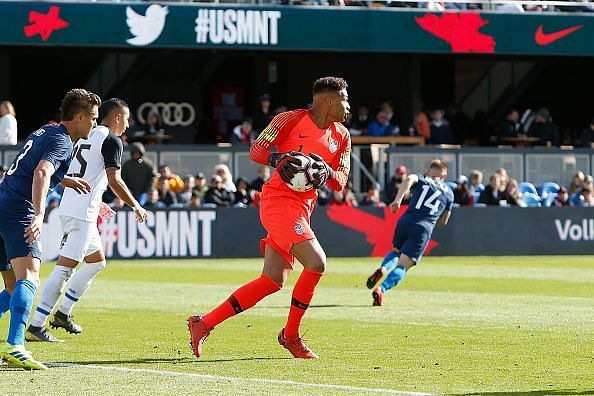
(243, 298)
(303, 293)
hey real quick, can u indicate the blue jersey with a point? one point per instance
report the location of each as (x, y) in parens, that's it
(51, 143)
(430, 198)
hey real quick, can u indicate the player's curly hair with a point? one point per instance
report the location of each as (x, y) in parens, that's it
(329, 84)
(110, 105)
(78, 100)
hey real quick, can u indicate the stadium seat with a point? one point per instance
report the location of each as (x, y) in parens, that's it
(451, 185)
(475, 198)
(480, 188)
(548, 188)
(531, 200)
(526, 187)
(550, 198)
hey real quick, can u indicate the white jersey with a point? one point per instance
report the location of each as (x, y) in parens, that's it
(90, 158)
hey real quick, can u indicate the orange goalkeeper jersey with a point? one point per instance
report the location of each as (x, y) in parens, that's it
(296, 131)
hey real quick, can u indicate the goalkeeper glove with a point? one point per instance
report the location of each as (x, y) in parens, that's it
(284, 163)
(324, 171)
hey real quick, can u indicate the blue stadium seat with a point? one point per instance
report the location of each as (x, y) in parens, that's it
(531, 200)
(550, 198)
(548, 188)
(526, 187)
(480, 188)
(451, 185)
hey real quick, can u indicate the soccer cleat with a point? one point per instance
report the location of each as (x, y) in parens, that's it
(18, 356)
(199, 333)
(378, 297)
(66, 322)
(40, 334)
(374, 278)
(297, 347)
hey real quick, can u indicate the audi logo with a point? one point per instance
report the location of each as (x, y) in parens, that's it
(171, 114)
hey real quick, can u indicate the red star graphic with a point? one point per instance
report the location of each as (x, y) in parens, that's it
(459, 30)
(379, 231)
(44, 25)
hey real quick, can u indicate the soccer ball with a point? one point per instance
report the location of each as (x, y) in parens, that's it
(302, 181)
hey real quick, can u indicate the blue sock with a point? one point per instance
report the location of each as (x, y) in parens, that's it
(20, 309)
(389, 261)
(393, 278)
(4, 302)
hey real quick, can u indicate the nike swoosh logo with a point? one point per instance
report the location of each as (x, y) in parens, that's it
(543, 38)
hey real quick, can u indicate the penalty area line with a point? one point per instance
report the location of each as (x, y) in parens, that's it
(240, 380)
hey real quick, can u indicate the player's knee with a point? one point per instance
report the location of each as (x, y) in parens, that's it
(318, 266)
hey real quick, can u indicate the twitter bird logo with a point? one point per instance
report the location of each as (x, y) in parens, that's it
(146, 28)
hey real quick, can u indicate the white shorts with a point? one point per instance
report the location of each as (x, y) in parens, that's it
(81, 238)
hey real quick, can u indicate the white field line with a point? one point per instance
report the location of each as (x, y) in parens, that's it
(241, 380)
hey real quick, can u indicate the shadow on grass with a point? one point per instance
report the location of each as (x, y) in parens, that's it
(530, 393)
(316, 306)
(180, 360)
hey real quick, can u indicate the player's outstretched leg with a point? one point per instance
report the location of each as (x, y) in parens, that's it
(243, 298)
(79, 284)
(50, 293)
(4, 302)
(393, 279)
(9, 282)
(387, 263)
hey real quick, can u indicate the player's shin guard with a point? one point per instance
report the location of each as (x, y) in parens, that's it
(53, 288)
(393, 278)
(80, 283)
(243, 298)
(389, 261)
(20, 309)
(303, 293)
(4, 302)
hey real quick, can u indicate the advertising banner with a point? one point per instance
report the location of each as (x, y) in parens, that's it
(342, 231)
(294, 28)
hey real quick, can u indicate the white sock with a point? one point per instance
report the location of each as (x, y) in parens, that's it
(79, 284)
(52, 290)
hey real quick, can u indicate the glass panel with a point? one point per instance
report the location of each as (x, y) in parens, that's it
(182, 162)
(246, 167)
(488, 163)
(151, 155)
(419, 162)
(558, 168)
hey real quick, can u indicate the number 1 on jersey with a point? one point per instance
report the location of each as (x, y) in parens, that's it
(431, 202)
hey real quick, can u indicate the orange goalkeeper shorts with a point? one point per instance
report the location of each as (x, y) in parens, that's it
(287, 222)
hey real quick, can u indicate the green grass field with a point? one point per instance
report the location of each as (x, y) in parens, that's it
(460, 326)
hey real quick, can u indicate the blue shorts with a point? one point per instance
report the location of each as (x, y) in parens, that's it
(411, 238)
(15, 217)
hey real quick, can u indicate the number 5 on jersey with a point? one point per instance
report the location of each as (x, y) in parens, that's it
(81, 160)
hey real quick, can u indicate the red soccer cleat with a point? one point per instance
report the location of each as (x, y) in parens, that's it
(378, 297)
(297, 347)
(199, 332)
(374, 278)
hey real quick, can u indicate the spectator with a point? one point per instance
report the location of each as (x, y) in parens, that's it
(388, 109)
(512, 194)
(176, 184)
(153, 129)
(165, 194)
(372, 198)
(422, 126)
(195, 201)
(223, 171)
(392, 186)
(562, 198)
(217, 195)
(491, 194)
(504, 179)
(587, 136)
(476, 182)
(361, 121)
(586, 199)
(461, 195)
(577, 182)
(243, 133)
(8, 124)
(511, 127)
(344, 197)
(138, 173)
(153, 200)
(185, 195)
(381, 125)
(544, 129)
(200, 186)
(116, 203)
(324, 195)
(263, 115)
(243, 196)
(263, 177)
(441, 132)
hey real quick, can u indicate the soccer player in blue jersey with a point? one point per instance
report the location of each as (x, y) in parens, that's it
(430, 205)
(40, 165)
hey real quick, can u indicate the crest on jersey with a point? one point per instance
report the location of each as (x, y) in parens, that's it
(299, 229)
(333, 146)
